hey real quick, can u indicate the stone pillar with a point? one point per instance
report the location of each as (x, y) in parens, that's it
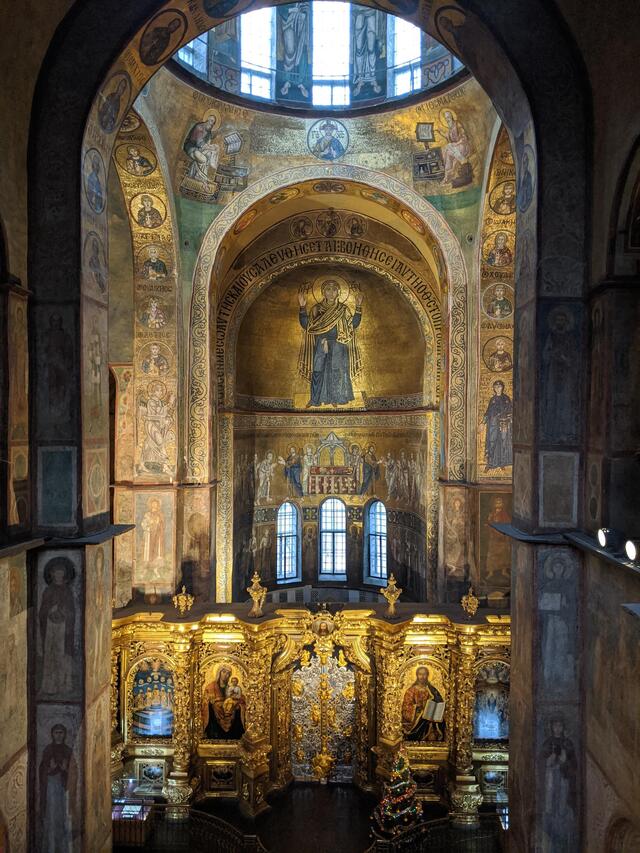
(465, 794)
(70, 672)
(546, 705)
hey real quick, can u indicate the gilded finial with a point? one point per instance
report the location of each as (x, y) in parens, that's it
(392, 593)
(182, 601)
(258, 595)
(470, 603)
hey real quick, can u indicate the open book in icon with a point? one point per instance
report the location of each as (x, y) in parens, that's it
(433, 711)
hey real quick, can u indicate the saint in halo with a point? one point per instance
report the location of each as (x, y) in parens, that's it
(423, 709)
(58, 777)
(57, 628)
(329, 356)
(498, 419)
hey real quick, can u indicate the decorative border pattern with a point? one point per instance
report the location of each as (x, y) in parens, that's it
(200, 390)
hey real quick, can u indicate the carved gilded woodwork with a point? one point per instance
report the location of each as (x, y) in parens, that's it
(365, 665)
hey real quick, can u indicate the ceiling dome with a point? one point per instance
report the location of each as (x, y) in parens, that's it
(324, 56)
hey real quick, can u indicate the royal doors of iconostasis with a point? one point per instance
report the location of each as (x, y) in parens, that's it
(322, 708)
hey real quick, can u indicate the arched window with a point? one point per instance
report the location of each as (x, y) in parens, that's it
(287, 561)
(376, 527)
(333, 539)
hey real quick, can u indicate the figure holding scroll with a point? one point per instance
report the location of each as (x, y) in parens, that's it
(423, 710)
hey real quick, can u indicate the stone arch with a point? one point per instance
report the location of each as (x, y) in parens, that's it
(542, 61)
(622, 257)
(622, 837)
(198, 441)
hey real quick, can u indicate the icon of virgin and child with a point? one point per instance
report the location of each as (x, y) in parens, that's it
(223, 706)
(329, 356)
(423, 709)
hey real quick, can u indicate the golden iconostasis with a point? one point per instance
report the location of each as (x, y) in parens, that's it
(245, 707)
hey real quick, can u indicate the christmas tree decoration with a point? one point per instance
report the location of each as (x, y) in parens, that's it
(399, 808)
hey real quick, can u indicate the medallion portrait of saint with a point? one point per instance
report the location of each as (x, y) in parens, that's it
(498, 249)
(503, 198)
(328, 139)
(94, 180)
(329, 357)
(423, 707)
(113, 98)
(498, 302)
(162, 36)
(149, 211)
(224, 706)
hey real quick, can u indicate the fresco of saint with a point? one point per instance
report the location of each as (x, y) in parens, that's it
(56, 618)
(328, 147)
(329, 356)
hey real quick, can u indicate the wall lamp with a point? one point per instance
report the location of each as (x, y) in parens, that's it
(632, 550)
(611, 540)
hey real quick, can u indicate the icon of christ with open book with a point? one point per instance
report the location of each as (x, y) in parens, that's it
(423, 710)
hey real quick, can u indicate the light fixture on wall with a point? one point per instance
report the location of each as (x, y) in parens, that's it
(632, 550)
(612, 540)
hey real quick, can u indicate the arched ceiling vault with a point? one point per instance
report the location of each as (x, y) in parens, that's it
(401, 208)
(363, 199)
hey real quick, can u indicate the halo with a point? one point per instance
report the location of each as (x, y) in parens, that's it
(215, 114)
(444, 110)
(156, 383)
(340, 281)
(560, 309)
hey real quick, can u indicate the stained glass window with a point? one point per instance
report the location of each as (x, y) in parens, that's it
(377, 535)
(333, 538)
(287, 544)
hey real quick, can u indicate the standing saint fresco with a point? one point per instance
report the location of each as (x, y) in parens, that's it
(498, 418)
(329, 356)
(57, 617)
(58, 777)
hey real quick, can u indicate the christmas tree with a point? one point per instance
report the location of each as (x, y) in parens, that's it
(398, 809)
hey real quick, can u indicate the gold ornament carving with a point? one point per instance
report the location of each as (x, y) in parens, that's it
(392, 593)
(470, 603)
(183, 601)
(258, 595)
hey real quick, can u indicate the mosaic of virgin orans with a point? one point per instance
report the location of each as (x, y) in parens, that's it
(325, 336)
(329, 354)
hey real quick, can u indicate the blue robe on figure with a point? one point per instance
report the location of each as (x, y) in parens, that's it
(329, 355)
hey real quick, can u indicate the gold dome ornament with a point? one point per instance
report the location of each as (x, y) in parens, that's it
(392, 593)
(182, 601)
(258, 595)
(470, 603)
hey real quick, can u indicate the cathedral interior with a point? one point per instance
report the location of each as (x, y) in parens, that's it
(320, 426)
